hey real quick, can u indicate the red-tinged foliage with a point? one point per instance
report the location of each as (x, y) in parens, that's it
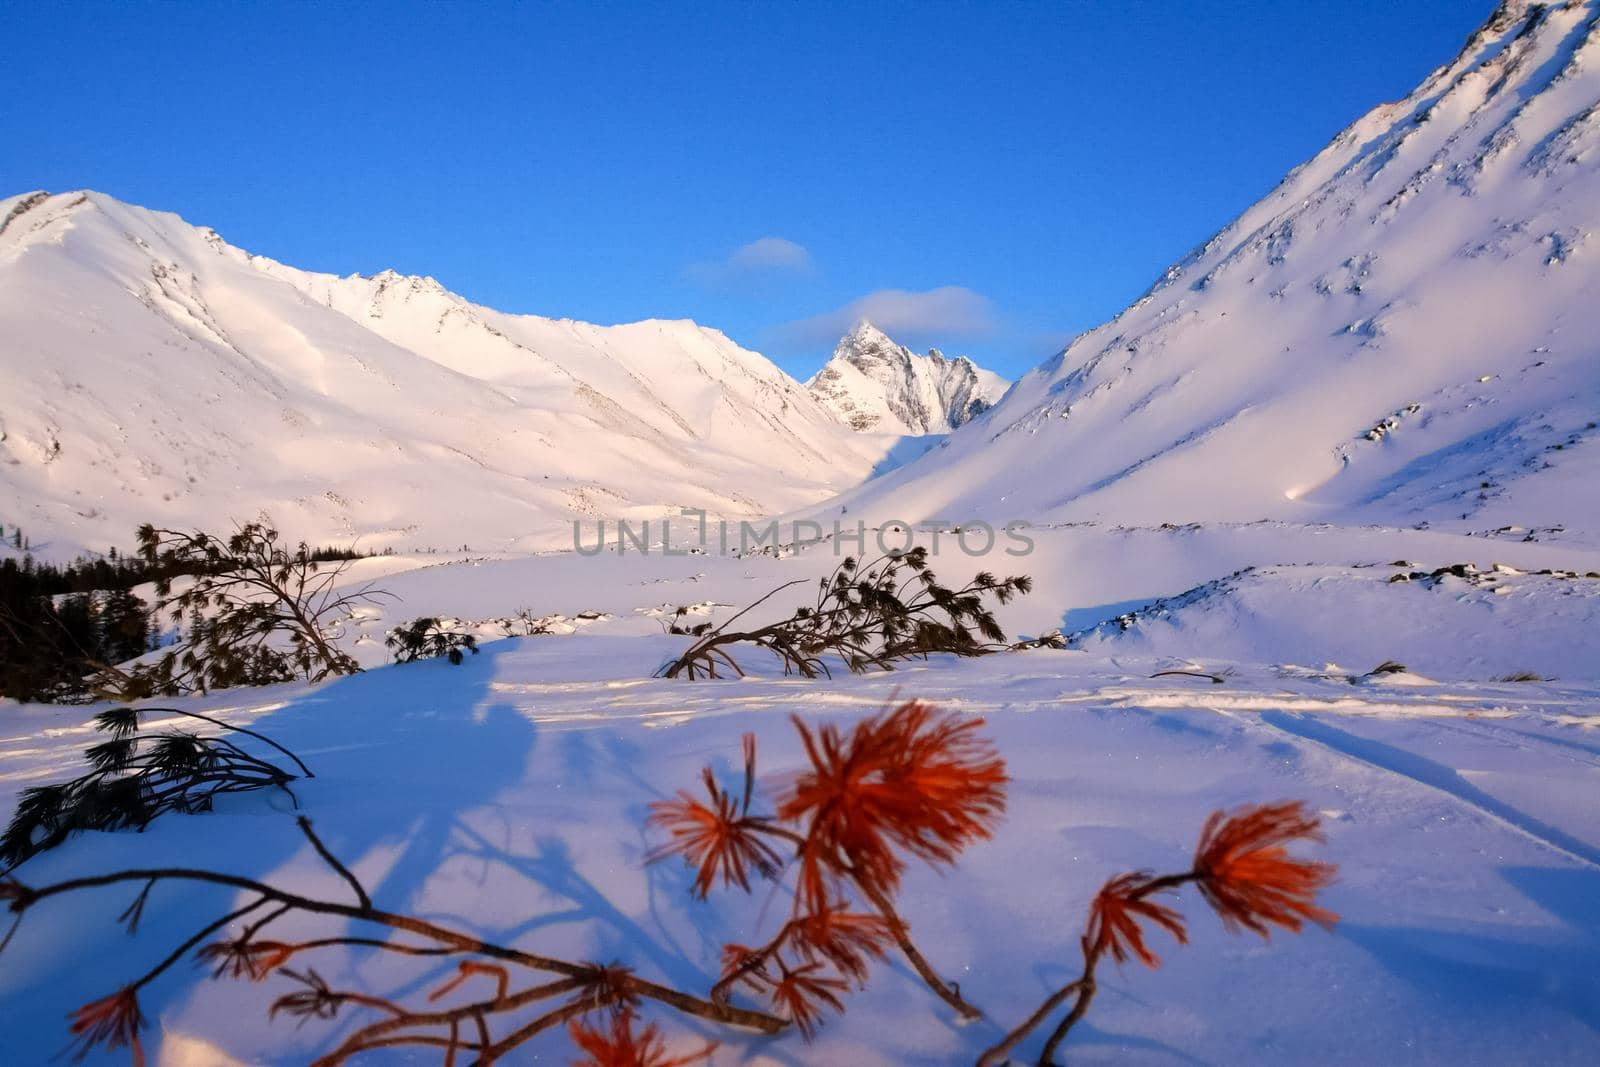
(721, 840)
(846, 939)
(1249, 877)
(1243, 870)
(906, 782)
(1114, 918)
(912, 778)
(112, 1021)
(740, 960)
(801, 993)
(616, 1045)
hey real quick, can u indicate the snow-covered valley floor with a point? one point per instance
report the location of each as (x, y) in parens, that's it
(507, 796)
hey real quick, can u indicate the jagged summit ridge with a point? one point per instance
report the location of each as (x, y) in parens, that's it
(877, 385)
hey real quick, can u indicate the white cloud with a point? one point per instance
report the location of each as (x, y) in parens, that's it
(770, 253)
(948, 313)
(761, 257)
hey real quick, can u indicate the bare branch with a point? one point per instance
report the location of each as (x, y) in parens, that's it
(328, 857)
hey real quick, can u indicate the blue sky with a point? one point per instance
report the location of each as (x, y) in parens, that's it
(990, 178)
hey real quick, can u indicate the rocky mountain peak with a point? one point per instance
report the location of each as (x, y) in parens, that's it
(877, 385)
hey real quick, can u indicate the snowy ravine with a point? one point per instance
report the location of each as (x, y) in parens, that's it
(151, 372)
(877, 385)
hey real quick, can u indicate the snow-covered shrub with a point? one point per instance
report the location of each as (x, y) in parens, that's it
(869, 616)
(257, 612)
(524, 623)
(429, 638)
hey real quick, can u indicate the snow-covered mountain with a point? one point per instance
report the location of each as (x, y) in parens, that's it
(149, 371)
(1407, 329)
(877, 385)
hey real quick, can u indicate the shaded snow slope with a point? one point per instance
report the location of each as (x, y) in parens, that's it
(1407, 329)
(152, 372)
(875, 384)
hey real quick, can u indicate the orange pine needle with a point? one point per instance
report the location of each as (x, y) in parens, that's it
(801, 993)
(1249, 877)
(609, 986)
(722, 840)
(112, 1021)
(912, 778)
(254, 960)
(740, 960)
(618, 1046)
(1115, 915)
(845, 939)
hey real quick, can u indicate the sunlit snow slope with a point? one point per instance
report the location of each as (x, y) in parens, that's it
(149, 371)
(1406, 330)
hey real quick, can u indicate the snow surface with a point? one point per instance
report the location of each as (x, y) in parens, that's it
(506, 796)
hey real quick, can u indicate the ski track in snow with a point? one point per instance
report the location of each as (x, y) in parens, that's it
(1426, 772)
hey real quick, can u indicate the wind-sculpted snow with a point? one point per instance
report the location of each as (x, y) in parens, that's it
(1437, 259)
(153, 372)
(874, 384)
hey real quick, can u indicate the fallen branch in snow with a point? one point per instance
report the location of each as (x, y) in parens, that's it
(870, 616)
(578, 989)
(1054, 639)
(1242, 870)
(908, 781)
(138, 777)
(1216, 679)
